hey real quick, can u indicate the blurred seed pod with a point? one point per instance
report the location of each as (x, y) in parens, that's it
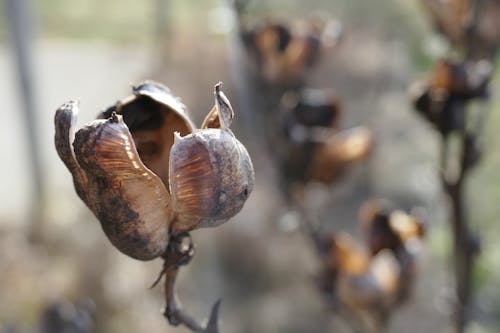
(282, 54)
(387, 227)
(339, 152)
(176, 180)
(368, 282)
(310, 107)
(365, 286)
(309, 143)
(471, 25)
(441, 98)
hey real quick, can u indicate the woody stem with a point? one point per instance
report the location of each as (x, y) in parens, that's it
(179, 252)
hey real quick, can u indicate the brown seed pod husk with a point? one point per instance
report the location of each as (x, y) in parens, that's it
(208, 172)
(211, 173)
(129, 200)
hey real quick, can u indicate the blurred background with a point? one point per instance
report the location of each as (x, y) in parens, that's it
(53, 253)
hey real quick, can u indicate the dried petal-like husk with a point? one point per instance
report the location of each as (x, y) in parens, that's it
(208, 172)
(129, 200)
(211, 174)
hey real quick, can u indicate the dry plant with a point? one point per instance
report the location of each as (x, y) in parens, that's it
(362, 284)
(150, 177)
(279, 55)
(366, 283)
(445, 100)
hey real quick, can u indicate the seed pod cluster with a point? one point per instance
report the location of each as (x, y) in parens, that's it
(146, 172)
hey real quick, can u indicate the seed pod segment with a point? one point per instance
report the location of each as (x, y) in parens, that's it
(129, 200)
(211, 174)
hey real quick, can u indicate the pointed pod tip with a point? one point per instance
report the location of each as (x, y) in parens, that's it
(67, 113)
(74, 102)
(223, 106)
(218, 87)
(71, 106)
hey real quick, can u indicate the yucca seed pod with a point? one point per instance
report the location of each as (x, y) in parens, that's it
(211, 174)
(207, 171)
(130, 201)
(176, 180)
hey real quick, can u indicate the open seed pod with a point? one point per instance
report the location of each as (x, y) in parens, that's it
(144, 170)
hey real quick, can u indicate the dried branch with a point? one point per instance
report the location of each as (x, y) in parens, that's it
(468, 29)
(466, 243)
(179, 252)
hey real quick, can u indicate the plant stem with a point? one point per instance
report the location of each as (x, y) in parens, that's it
(179, 252)
(465, 246)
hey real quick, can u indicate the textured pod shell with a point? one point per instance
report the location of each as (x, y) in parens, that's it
(208, 171)
(129, 200)
(211, 177)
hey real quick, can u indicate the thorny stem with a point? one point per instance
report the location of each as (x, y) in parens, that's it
(179, 252)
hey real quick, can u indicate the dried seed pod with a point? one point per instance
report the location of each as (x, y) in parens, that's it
(211, 174)
(208, 171)
(177, 179)
(129, 200)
